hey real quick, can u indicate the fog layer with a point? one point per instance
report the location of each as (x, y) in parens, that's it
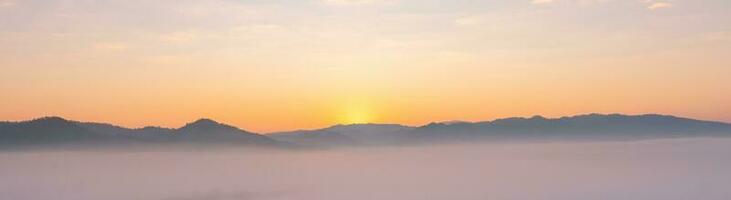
(648, 170)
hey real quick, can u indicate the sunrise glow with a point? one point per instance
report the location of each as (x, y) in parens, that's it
(271, 66)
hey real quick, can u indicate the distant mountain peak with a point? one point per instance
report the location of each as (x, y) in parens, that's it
(209, 131)
(51, 118)
(538, 117)
(203, 122)
(209, 126)
(51, 121)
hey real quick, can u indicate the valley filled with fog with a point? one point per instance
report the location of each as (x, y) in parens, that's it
(669, 169)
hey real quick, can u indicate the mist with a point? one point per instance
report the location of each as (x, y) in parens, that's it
(672, 169)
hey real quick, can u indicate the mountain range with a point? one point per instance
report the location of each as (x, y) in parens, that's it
(56, 131)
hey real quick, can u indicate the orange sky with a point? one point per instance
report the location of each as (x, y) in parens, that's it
(271, 66)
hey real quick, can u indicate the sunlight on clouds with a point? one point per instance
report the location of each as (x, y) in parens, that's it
(659, 5)
(208, 8)
(468, 21)
(110, 46)
(542, 1)
(354, 2)
(181, 37)
(488, 55)
(258, 29)
(6, 3)
(717, 36)
(652, 4)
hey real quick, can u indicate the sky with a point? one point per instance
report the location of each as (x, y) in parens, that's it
(273, 65)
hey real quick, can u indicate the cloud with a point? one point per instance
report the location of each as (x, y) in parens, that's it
(257, 28)
(354, 2)
(717, 36)
(542, 1)
(659, 5)
(651, 4)
(545, 2)
(180, 37)
(110, 46)
(468, 21)
(6, 3)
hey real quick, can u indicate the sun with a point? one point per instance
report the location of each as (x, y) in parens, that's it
(357, 117)
(357, 114)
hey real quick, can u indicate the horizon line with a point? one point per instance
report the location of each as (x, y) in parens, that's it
(368, 123)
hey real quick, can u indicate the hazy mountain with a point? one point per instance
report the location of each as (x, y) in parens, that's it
(50, 131)
(319, 138)
(347, 135)
(372, 133)
(593, 127)
(209, 131)
(146, 134)
(581, 127)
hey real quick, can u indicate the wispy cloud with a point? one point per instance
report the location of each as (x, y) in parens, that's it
(717, 36)
(468, 21)
(650, 4)
(542, 1)
(659, 5)
(180, 37)
(582, 2)
(355, 2)
(6, 3)
(110, 46)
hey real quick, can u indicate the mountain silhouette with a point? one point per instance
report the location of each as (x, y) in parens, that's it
(316, 138)
(591, 127)
(49, 131)
(346, 135)
(580, 127)
(209, 131)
